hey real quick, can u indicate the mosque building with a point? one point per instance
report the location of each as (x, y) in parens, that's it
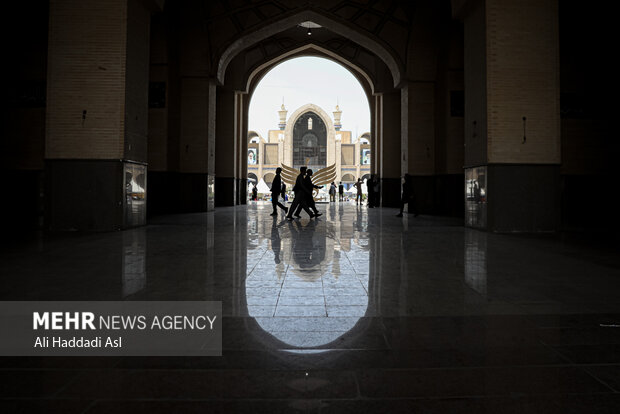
(309, 137)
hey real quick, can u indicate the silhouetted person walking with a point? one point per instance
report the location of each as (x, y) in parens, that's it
(408, 197)
(276, 190)
(340, 192)
(332, 192)
(358, 195)
(310, 200)
(301, 195)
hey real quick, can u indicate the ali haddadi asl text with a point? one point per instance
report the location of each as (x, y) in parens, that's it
(77, 342)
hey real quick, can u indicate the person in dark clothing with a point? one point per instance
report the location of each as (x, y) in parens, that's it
(340, 192)
(408, 197)
(358, 195)
(310, 200)
(276, 190)
(301, 195)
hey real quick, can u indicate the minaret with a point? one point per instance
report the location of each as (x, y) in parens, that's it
(337, 115)
(282, 112)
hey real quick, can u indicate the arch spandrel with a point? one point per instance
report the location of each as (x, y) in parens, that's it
(375, 45)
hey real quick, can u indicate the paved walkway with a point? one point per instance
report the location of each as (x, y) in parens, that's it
(355, 311)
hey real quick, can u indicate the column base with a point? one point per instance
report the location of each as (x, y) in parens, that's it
(226, 191)
(23, 203)
(172, 192)
(449, 195)
(390, 192)
(438, 195)
(94, 195)
(513, 198)
(242, 191)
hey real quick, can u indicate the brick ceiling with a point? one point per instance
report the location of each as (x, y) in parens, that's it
(387, 21)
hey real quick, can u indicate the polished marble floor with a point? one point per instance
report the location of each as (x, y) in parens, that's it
(356, 311)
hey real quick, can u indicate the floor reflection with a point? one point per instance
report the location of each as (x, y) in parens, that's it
(307, 282)
(476, 261)
(354, 312)
(134, 262)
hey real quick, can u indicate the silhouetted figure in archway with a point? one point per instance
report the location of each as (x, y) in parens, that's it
(358, 195)
(310, 199)
(301, 195)
(340, 192)
(276, 191)
(408, 197)
(332, 192)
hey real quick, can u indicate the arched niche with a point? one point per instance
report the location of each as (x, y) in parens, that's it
(325, 120)
(268, 178)
(309, 141)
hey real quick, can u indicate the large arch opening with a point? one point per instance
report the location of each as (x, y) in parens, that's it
(329, 113)
(330, 126)
(333, 264)
(245, 62)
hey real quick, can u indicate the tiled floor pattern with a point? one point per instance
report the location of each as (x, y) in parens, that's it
(356, 312)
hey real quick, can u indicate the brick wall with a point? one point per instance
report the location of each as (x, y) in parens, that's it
(418, 125)
(193, 157)
(453, 158)
(475, 85)
(137, 82)
(158, 126)
(523, 80)
(86, 72)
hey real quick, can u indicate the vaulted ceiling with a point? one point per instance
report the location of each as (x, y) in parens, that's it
(228, 20)
(370, 34)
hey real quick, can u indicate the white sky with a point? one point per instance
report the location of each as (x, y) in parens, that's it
(306, 80)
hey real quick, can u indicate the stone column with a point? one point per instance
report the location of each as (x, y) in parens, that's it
(390, 149)
(242, 109)
(97, 114)
(376, 132)
(357, 160)
(512, 120)
(418, 140)
(338, 157)
(196, 144)
(226, 148)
